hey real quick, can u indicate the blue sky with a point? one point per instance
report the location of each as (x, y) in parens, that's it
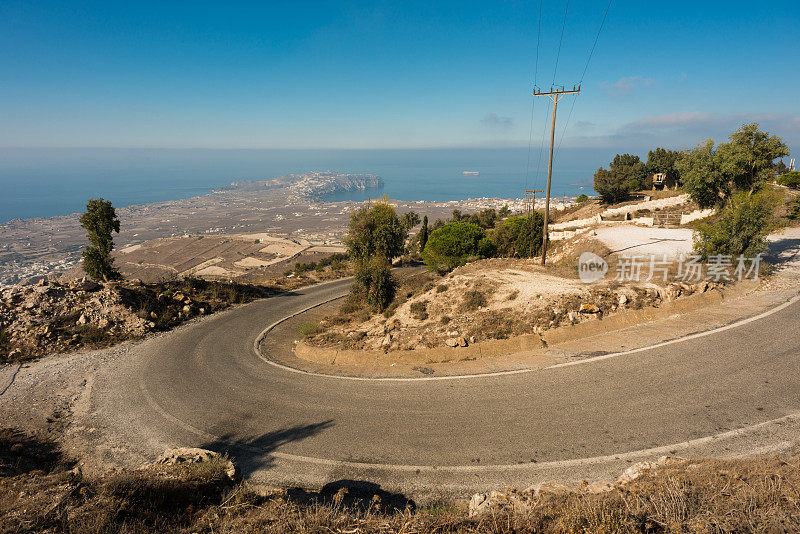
(391, 74)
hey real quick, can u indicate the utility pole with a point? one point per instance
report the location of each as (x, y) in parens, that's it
(529, 202)
(555, 96)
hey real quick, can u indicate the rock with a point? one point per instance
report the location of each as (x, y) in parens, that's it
(472, 340)
(82, 320)
(387, 340)
(589, 308)
(187, 310)
(461, 342)
(481, 503)
(573, 317)
(703, 286)
(377, 331)
(193, 455)
(153, 315)
(638, 469)
(548, 487)
(451, 342)
(87, 284)
(103, 323)
(623, 300)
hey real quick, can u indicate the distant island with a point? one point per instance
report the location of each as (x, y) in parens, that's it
(471, 173)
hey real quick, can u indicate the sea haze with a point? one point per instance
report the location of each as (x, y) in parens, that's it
(50, 182)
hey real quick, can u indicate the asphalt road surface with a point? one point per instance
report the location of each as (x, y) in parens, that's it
(203, 385)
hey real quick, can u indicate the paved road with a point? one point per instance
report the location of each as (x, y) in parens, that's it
(202, 385)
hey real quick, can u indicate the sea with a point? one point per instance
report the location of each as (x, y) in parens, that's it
(38, 182)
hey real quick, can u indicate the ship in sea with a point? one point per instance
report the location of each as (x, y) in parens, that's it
(470, 173)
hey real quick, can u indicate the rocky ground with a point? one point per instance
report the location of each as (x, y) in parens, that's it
(488, 299)
(53, 317)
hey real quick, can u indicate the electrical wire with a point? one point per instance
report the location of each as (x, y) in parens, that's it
(583, 74)
(533, 100)
(560, 41)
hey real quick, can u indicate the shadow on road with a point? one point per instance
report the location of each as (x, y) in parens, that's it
(255, 453)
(783, 250)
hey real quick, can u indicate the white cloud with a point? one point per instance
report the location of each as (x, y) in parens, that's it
(492, 119)
(626, 84)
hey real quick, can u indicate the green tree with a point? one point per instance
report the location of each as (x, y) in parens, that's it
(423, 234)
(747, 159)
(375, 231)
(520, 237)
(702, 176)
(410, 220)
(625, 174)
(504, 212)
(99, 220)
(662, 160)
(711, 175)
(374, 283)
(741, 228)
(582, 198)
(453, 245)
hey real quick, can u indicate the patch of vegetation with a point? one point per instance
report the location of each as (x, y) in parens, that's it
(790, 179)
(441, 288)
(513, 295)
(308, 329)
(473, 300)
(419, 310)
(582, 198)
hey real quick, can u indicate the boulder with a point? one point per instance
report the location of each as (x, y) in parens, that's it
(193, 455)
(461, 342)
(82, 320)
(451, 342)
(573, 317)
(589, 308)
(623, 300)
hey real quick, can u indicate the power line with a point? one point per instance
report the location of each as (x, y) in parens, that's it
(533, 101)
(583, 75)
(560, 40)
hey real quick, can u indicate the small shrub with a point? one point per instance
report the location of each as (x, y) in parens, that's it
(419, 310)
(794, 209)
(474, 299)
(582, 198)
(445, 319)
(513, 295)
(441, 288)
(453, 245)
(790, 179)
(308, 329)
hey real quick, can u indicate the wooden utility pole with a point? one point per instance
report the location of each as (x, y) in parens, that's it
(529, 202)
(555, 96)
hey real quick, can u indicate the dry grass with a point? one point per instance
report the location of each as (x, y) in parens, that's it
(38, 493)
